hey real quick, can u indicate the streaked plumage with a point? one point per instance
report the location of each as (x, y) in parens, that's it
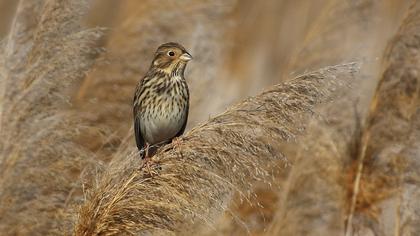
(161, 100)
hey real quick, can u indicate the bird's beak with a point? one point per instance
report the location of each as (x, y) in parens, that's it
(186, 57)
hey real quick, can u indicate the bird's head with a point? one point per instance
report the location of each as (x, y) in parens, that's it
(171, 58)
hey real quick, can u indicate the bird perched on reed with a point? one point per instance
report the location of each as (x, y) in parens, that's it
(161, 99)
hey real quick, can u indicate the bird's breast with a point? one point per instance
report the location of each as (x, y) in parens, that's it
(164, 116)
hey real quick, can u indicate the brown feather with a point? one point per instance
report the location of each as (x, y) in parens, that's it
(161, 99)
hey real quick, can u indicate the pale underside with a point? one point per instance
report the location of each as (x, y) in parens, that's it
(164, 125)
(162, 111)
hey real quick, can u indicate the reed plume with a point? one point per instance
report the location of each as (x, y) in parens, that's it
(214, 160)
(45, 51)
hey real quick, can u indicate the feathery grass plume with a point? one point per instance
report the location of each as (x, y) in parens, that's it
(213, 161)
(40, 163)
(388, 163)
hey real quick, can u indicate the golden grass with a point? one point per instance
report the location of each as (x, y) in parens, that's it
(45, 52)
(213, 161)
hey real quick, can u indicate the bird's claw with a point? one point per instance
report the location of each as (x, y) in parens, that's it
(176, 142)
(147, 165)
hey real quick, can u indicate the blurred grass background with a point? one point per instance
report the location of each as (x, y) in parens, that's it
(240, 48)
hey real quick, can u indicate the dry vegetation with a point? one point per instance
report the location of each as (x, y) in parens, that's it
(213, 161)
(334, 151)
(40, 159)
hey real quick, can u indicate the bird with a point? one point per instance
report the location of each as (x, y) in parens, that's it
(161, 99)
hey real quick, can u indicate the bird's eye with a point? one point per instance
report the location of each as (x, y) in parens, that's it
(171, 53)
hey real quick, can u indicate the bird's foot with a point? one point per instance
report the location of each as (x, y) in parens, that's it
(148, 167)
(176, 142)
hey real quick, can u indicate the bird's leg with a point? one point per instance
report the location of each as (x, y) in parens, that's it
(147, 160)
(146, 151)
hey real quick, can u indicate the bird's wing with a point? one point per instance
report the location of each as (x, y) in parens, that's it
(137, 126)
(137, 132)
(181, 131)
